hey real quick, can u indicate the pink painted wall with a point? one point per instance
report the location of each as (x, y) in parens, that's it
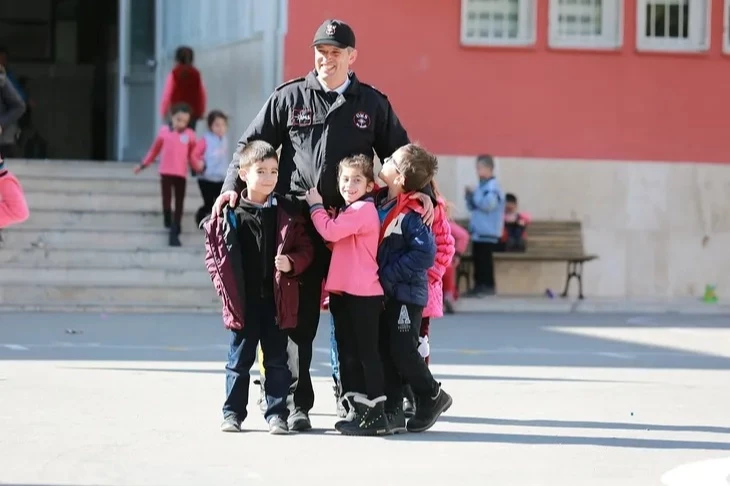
(532, 101)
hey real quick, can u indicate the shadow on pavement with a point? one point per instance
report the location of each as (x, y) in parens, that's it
(564, 440)
(585, 424)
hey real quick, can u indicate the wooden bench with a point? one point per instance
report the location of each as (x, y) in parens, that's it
(547, 241)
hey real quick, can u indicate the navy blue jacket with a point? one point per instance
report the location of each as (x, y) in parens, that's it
(406, 252)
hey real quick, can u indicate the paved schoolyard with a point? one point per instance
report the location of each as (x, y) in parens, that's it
(539, 399)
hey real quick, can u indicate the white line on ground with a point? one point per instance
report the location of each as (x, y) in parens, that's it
(15, 347)
(476, 352)
(712, 472)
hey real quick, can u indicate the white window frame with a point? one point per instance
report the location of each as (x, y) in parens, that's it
(698, 39)
(726, 28)
(611, 36)
(527, 25)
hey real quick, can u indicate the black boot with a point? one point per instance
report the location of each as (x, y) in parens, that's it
(168, 218)
(348, 406)
(397, 420)
(429, 410)
(370, 418)
(175, 235)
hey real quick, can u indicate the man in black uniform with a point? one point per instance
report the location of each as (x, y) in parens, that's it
(317, 121)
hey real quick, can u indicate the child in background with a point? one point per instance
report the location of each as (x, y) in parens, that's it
(184, 84)
(356, 297)
(486, 203)
(212, 149)
(406, 253)
(13, 208)
(255, 254)
(461, 243)
(175, 144)
(515, 226)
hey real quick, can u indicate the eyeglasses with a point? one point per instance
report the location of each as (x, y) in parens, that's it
(391, 160)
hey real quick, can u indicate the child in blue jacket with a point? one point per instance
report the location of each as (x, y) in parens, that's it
(406, 252)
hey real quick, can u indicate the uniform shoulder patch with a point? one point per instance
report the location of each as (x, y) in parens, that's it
(374, 89)
(287, 83)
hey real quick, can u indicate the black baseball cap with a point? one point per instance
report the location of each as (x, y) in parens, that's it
(334, 33)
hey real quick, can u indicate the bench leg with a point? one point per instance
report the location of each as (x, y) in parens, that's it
(575, 270)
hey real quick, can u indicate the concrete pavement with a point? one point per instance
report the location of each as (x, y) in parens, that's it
(540, 399)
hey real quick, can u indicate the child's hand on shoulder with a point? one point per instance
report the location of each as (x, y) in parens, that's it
(282, 263)
(312, 196)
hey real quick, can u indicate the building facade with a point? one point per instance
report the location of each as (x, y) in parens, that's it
(606, 111)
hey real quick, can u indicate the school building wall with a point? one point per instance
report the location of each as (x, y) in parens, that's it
(630, 143)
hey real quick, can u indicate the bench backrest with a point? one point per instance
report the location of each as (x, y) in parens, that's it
(551, 237)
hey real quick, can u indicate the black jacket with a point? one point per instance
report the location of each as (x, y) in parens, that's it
(317, 129)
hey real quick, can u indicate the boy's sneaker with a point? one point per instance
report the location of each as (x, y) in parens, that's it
(278, 426)
(231, 423)
(397, 420)
(299, 421)
(429, 410)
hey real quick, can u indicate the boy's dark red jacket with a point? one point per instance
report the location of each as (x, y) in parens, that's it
(223, 261)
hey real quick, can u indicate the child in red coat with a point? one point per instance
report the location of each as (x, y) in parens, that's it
(184, 84)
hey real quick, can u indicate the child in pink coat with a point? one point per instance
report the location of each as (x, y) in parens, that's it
(13, 208)
(175, 145)
(356, 297)
(444, 254)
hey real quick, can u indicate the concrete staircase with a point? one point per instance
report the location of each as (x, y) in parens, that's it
(95, 241)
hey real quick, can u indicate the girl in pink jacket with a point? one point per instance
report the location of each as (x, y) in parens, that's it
(13, 208)
(444, 253)
(356, 297)
(174, 144)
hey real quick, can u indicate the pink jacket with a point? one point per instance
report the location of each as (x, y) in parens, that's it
(354, 232)
(177, 152)
(13, 208)
(461, 237)
(444, 253)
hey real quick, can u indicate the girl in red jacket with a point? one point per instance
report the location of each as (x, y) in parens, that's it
(184, 84)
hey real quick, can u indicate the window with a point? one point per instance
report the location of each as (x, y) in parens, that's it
(497, 22)
(673, 25)
(585, 23)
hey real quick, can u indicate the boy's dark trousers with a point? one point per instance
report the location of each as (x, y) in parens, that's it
(484, 265)
(242, 355)
(356, 332)
(399, 328)
(310, 295)
(209, 191)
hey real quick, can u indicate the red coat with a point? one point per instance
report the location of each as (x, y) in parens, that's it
(223, 261)
(444, 253)
(184, 85)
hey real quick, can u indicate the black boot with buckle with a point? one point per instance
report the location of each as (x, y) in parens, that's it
(370, 418)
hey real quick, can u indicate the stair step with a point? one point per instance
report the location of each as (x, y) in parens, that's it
(88, 201)
(62, 294)
(107, 277)
(106, 238)
(96, 186)
(184, 258)
(44, 218)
